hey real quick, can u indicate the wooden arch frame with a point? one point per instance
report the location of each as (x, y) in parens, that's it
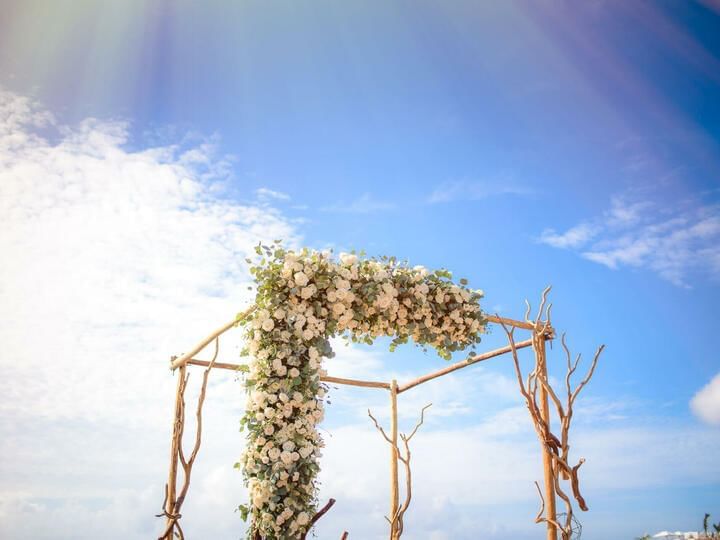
(554, 450)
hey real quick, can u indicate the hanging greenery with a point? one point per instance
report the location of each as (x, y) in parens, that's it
(303, 299)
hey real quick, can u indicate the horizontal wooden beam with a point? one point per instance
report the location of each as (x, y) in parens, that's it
(220, 365)
(465, 363)
(183, 359)
(517, 324)
(353, 382)
(378, 384)
(328, 379)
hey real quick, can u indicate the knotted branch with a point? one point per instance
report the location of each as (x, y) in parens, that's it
(174, 515)
(557, 445)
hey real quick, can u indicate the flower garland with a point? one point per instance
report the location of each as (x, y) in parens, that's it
(303, 299)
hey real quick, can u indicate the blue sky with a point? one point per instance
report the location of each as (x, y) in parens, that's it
(518, 144)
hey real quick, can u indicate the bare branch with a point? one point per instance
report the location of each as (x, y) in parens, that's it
(320, 513)
(420, 423)
(396, 520)
(379, 427)
(556, 445)
(186, 463)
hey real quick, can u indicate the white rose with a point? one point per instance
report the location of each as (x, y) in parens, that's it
(289, 446)
(348, 259)
(300, 279)
(307, 292)
(303, 518)
(268, 324)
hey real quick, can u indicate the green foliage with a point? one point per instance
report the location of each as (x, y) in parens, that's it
(302, 300)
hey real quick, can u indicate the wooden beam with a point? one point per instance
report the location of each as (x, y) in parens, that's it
(325, 378)
(353, 382)
(183, 359)
(465, 363)
(517, 324)
(377, 384)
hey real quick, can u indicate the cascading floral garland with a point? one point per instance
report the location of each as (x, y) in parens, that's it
(303, 299)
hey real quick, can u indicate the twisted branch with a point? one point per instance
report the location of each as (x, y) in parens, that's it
(396, 521)
(558, 447)
(186, 463)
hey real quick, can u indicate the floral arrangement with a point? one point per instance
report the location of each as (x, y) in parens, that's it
(303, 299)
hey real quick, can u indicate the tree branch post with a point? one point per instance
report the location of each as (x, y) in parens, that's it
(171, 487)
(549, 476)
(394, 487)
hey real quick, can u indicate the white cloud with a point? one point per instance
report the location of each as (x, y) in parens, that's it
(265, 194)
(474, 191)
(674, 241)
(113, 260)
(572, 238)
(706, 402)
(365, 204)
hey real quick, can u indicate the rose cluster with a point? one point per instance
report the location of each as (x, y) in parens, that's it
(303, 299)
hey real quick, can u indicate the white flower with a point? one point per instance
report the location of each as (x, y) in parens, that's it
(294, 372)
(288, 446)
(303, 518)
(307, 292)
(348, 259)
(300, 279)
(268, 324)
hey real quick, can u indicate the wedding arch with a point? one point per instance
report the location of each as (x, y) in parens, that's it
(304, 298)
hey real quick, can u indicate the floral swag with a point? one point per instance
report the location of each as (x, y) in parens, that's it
(302, 300)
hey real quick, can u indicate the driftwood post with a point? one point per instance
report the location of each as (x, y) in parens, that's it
(394, 487)
(174, 451)
(541, 358)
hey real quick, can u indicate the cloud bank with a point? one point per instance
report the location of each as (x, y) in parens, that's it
(113, 259)
(677, 241)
